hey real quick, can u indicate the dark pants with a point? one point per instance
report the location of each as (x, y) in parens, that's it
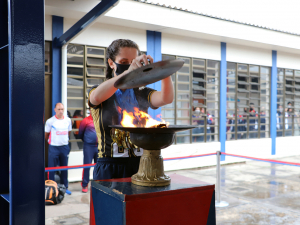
(90, 152)
(59, 155)
(108, 168)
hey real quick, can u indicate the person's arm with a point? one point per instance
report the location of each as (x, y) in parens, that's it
(47, 130)
(69, 127)
(107, 89)
(165, 96)
(46, 136)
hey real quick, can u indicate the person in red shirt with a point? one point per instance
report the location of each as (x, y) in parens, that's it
(90, 147)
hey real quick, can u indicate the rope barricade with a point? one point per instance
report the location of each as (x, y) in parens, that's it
(59, 168)
(263, 160)
(218, 202)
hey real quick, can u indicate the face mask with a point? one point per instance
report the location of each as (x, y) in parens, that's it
(280, 110)
(197, 111)
(121, 68)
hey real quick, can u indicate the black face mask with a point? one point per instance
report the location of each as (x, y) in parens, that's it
(121, 68)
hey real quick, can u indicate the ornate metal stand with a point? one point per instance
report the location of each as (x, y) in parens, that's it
(151, 170)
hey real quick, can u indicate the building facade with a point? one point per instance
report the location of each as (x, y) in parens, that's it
(201, 85)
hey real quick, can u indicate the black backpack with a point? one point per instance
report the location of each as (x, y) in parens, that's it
(54, 193)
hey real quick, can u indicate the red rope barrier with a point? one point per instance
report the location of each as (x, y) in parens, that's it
(192, 156)
(259, 159)
(57, 168)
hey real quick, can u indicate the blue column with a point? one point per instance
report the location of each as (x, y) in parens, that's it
(154, 49)
(223, 69)
(57, 31)
(273, 101)
(26, 112)
(4, 114)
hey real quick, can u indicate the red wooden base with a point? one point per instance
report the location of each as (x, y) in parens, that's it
(185, 201)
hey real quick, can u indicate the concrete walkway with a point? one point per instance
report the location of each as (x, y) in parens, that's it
(257, 193)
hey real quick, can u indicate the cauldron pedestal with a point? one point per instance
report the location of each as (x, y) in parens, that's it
(184, 201)
(151, 170)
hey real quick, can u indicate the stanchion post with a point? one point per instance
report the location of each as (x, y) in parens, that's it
(219, 203)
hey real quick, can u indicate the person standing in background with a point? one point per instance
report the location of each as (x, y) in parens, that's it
(77, 114)
(252, 121)
(57, 132)
(199, 120)
(90, 148)
(279, 120)
(262, 122)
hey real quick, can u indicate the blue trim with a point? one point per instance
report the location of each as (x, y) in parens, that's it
(85, 21)
(57, 30)
(5, 196)
(154, 49)
(273, 101)
(4, 46)
(4, 113)
(223, 68)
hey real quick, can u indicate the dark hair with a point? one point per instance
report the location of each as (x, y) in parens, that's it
(57, 104)
(77, 113)
(113, 50)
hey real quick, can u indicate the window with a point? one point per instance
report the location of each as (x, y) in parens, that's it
(95, 69)
(248, 101)
(85, 68)
(75, 90)
(288, 102)
(196, 102)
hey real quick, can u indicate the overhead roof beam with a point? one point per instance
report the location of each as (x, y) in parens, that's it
(103, 7)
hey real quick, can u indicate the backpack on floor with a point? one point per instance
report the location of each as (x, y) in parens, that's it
(54, 193)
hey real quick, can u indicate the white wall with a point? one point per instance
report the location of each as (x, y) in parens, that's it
(48, 28)
(76, 158)
(190, 47)
(287, 146)
(103, 34)
(249, 55)
(288, 60)
(190, 150)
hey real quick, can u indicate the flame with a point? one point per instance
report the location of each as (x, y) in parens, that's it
(128, 119)
(141, 119)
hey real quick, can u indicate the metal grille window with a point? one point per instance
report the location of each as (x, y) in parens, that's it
(95, 69)
(288, 102)
(75, 91)
(196, 102)
(85, 68)
(248, 100)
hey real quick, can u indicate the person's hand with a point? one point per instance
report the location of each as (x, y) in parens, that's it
(139, 61)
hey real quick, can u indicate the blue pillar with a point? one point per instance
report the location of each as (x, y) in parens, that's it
(223, 69)
(57, 31)
(154, 49)
(4, 114)
(273, 101)
(26, 112)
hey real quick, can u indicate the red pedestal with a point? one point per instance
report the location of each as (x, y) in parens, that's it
(184, 201)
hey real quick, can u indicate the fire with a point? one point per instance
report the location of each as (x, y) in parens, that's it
(141, 119)
(128, 119)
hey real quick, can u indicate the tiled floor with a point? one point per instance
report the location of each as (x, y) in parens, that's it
(257, 193)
